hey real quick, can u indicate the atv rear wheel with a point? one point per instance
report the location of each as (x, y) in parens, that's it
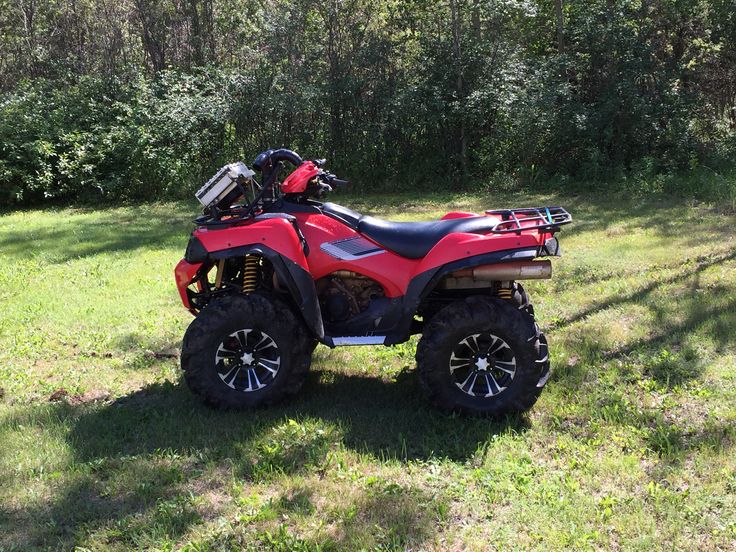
(482, 355)
(520, 298)
(244, 351)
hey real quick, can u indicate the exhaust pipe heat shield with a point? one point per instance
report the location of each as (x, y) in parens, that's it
(482, 276)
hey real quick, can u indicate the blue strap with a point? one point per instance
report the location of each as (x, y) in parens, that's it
(549, 215)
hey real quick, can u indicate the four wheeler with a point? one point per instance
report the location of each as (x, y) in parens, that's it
(270, 271)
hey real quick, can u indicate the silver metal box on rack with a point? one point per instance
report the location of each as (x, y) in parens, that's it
(224, 181)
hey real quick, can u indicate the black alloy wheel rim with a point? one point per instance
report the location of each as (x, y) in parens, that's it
(482, 365)
(248, 360)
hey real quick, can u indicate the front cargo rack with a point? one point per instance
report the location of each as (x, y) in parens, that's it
(542, 219)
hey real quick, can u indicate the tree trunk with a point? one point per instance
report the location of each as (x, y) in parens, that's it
(459, 86)
(475, 15)
(195, 40)
(560, 25)
(28, 12)
(333, 75)
(154, 43)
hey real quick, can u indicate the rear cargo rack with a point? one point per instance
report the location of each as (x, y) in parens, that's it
(542, 219)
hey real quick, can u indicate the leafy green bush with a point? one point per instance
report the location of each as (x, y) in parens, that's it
(94, 139)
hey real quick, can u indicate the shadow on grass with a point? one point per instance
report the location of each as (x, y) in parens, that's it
(379, 516)
(89, 232)
(154, 505)
(671, 441)
(664, 218)
(641, 293)
(389, 420)
(134, 438)
(688, 319)
(104, 231)
(670, 354)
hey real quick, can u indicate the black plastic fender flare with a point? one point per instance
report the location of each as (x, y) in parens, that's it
(422, 284)
(297, 280)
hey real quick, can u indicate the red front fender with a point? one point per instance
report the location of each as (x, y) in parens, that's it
(184, 274)
(275, 233)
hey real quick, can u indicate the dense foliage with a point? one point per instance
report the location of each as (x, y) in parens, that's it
(144, 98)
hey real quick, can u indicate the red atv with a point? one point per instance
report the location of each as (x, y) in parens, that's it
(270, 272)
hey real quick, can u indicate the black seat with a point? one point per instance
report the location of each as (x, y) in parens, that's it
(343, 214)
(412, 240)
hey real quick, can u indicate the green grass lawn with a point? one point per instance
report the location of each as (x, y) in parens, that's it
(629, 447)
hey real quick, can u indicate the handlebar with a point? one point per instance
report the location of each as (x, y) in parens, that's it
(338, 182)
(269, 164)
(332, 180)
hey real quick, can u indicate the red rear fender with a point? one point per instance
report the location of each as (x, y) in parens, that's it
(454, 247)
(458, 214)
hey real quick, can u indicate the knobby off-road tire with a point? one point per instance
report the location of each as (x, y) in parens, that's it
(245, 351)
(520, 298)
(507, 352)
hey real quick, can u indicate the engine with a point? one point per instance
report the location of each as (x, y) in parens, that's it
(344, 295)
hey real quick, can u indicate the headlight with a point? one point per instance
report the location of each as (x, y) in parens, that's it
(195, 253)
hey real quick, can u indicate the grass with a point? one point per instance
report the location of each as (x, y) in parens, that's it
(630, 445)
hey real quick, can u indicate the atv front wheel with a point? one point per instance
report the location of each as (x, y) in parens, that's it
(482, 356)
(244, 351)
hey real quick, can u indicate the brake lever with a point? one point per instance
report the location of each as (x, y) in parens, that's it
(330, 180)
(323, 189)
